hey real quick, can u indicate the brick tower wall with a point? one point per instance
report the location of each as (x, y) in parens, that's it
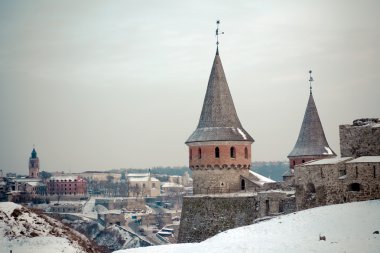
(213, 174)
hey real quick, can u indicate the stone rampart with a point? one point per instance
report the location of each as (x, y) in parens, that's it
(362, 138)
(204, 216)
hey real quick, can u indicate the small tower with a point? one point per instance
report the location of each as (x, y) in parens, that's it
(219, 148)
(34, 165)
(311, 143)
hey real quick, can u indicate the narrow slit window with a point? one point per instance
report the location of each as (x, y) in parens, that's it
(217, 154)
(232, 152)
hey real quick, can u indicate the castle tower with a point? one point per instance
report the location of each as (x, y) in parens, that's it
(219, 148)
(311, 143)
(34, 165)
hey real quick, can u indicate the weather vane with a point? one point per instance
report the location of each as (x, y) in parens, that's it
(310, 80)
(217, 32)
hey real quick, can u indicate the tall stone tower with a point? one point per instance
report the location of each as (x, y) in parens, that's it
(311, 143)
(34, 165)
(219, 148)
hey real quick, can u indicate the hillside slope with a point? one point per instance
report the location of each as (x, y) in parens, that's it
(22, 230)
(347, 227)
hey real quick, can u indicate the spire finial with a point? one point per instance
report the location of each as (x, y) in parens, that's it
(310, 80)
(217, 32)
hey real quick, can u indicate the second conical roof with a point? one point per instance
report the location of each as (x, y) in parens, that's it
(311, 139)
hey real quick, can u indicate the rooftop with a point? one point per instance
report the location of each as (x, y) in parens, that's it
(366, 159)
(327, 161)
(142, 179)
(311, 139)
(218, 120)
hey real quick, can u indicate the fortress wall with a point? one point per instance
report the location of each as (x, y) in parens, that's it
(319, 185)
(358, 141)
(205, 216)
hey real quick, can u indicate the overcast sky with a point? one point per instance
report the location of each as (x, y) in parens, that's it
(98, 85)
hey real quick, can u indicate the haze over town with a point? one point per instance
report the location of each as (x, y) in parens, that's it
(100, 85)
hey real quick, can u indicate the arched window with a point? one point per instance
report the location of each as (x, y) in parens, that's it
(217, 152)
(246, 153)
(190, 154)
(355, 187)
(243, 184)
(199, 153)
(232, 152)
(294, 162)
(303, 161)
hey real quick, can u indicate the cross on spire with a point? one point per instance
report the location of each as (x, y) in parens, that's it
(217, 32)
(310, 80)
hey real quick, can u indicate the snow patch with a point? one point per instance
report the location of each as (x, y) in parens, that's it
(329, 151)
(347, 227)
(242, 133)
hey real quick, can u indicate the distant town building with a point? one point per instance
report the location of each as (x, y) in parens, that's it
(101, 176)
(146, 186)
(66, 185)
(34, 165)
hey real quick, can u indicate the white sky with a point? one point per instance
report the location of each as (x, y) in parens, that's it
(117, 84)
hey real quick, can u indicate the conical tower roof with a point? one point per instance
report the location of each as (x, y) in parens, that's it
(311, 139)
(218, 120)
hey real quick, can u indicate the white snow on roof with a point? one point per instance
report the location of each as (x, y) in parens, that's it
(171, 185)
(33, 183)
(329, 151)
(27, 180)
(347, 227)
(334, 160)
(242, 133)
(366, 159)
(62, 178)
(142, 179)
(138, 174)
(261, 179)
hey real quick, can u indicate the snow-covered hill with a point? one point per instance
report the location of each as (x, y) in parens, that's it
(347, 227)
(22, 230)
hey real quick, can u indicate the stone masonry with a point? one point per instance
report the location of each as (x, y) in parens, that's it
(204, 216)
(362, 138)
(337, 180)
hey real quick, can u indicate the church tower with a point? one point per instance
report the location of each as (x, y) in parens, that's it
(219, 148)
(34, 165)
(311, 143)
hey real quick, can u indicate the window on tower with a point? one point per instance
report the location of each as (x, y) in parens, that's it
(232, 152)
(217, 155)
(199, 153)
(246, 153)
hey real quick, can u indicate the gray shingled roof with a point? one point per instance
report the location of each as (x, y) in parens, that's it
(218, 121)
(311, 139)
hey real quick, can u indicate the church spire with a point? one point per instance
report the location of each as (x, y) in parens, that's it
(218, 120)
(311, 140)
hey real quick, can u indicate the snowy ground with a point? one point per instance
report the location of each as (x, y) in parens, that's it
(347, 228)
(22, 230)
